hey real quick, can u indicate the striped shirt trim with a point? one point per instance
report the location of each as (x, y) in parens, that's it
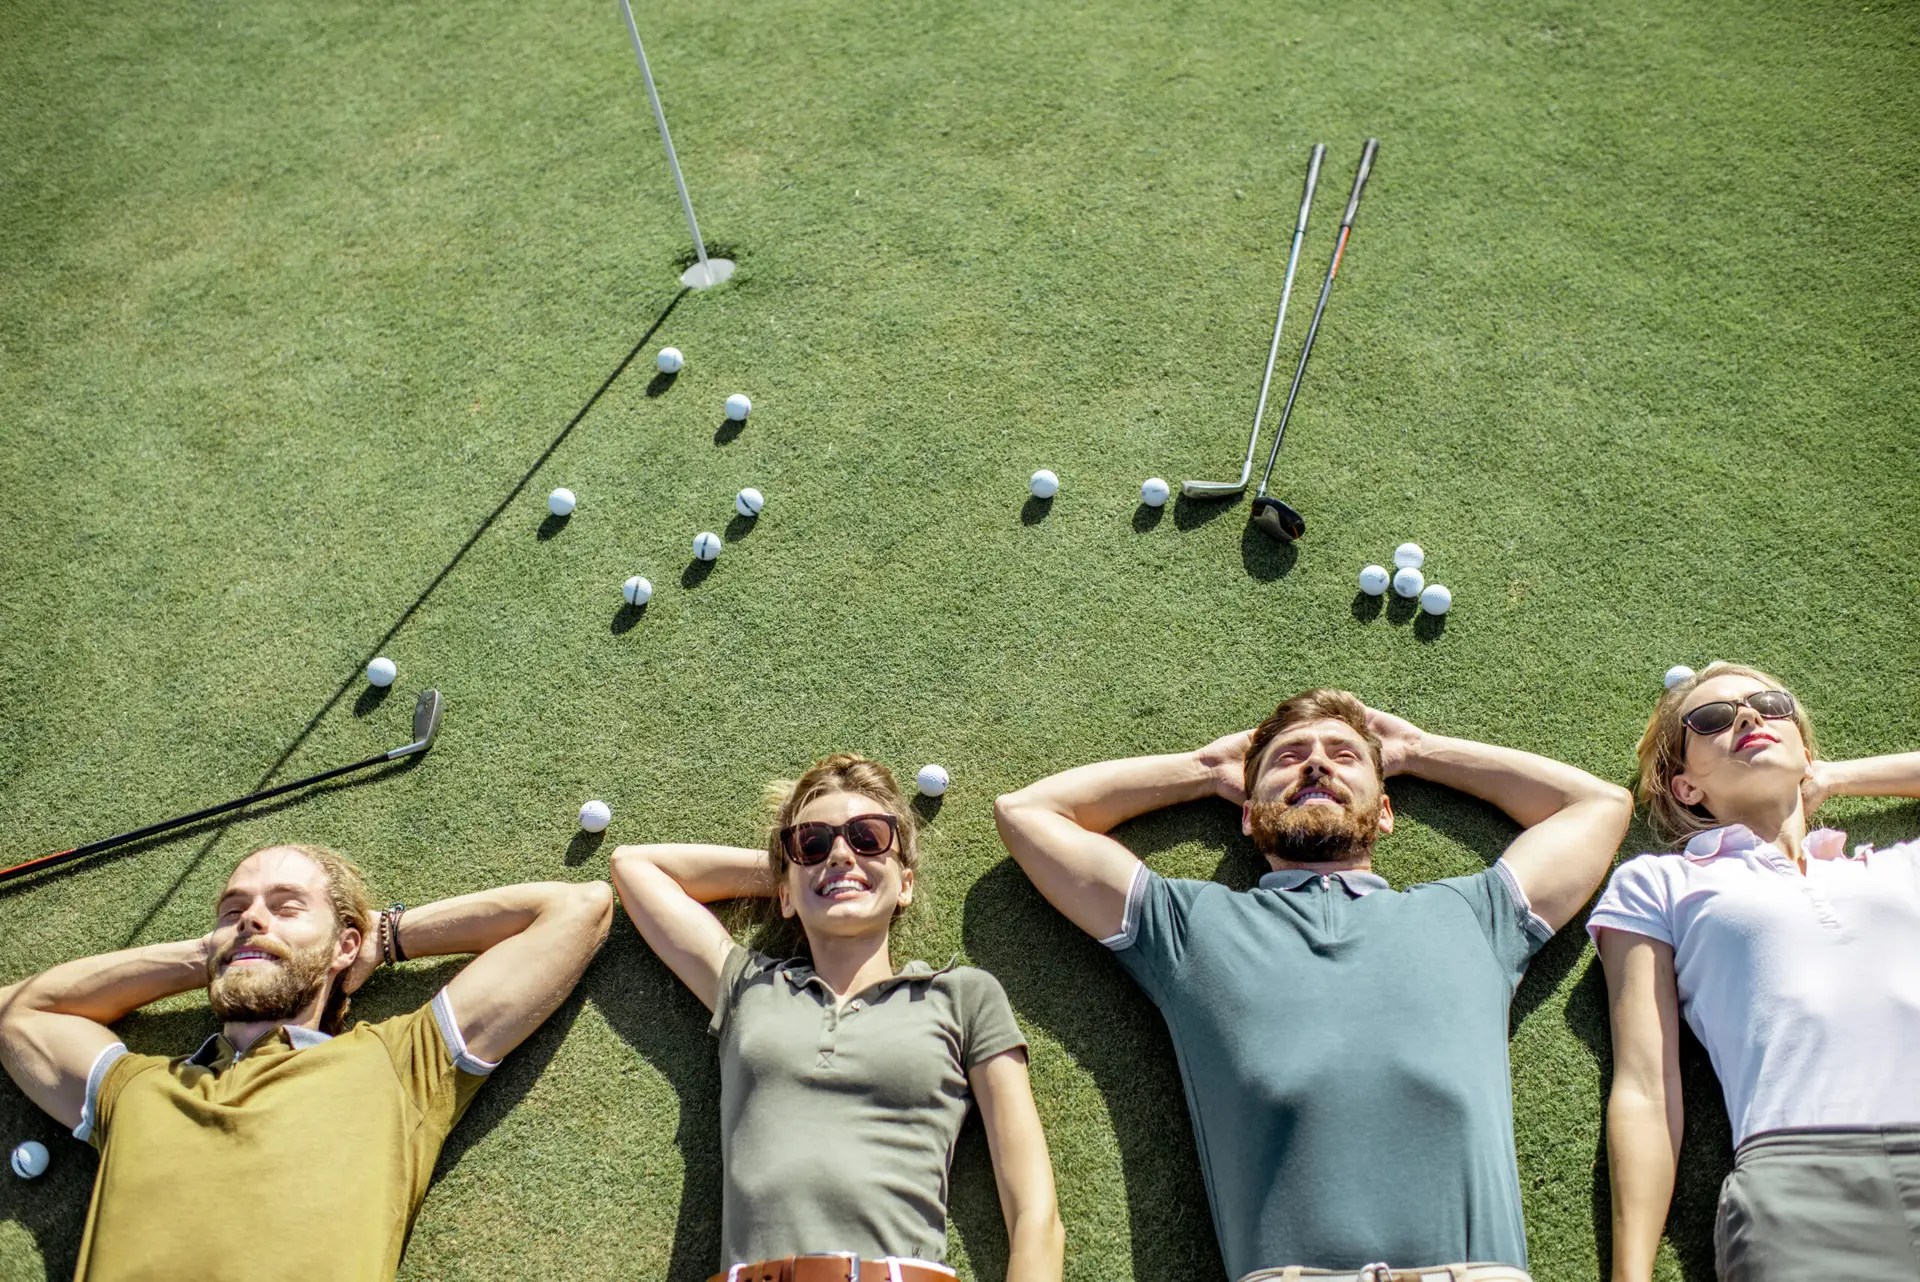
(90, 1109)
(1130, 915)
(1536, 925)
(463, 1059)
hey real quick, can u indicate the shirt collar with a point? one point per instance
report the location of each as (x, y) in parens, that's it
(1356, 882)
(217, 1047)
(1737, 839)
(799, 973)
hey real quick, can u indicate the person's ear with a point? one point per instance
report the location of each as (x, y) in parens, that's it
(786, 901)
(346, 950)
(1685, 790)
(906, 886)
(1386, 814)
(1246, 819)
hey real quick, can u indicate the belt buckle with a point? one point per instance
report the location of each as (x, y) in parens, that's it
(852, 1259)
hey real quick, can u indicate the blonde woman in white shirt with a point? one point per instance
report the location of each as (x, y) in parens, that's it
(1797, 964)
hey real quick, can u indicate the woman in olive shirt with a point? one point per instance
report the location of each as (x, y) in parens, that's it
(843, 1080)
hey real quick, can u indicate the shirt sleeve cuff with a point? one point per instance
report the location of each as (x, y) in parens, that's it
(1130, 914)
(463, 1059)
(90, 1109)
(1606, 918)
(1536, 925)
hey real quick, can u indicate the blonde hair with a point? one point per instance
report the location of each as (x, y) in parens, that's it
(842, 772)
(352, 906)
(1663, 750)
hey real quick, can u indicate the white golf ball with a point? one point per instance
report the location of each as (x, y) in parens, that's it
(749, 501)
(382, 671)
(1437, 599)
(706, 545)
(595, 816)
(30, 1159)
(1044, 484)
(637, 590)
(1675, 675)
(1374, 579)
(1154, 491)
(931, 780)
(1408, 581)
(738, 407)
(1408, 556)
(561, 502)
(669, 360)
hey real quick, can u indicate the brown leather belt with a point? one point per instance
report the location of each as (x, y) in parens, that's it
(839, 1267)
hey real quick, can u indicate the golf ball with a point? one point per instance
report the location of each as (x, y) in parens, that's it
(1044, 484)
(669, 360)
(1373, 579)
(931, 780)
(595, 816)
(30, 1159)
(1408, 581)
(382, 671)
(738, 407)
(561, 502)
(1154, 491)
(749, 501)
(637, 590)
(1675, 675)
(1408, 556)
(1437, 599)
(706, 545)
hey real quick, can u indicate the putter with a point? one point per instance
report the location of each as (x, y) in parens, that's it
(1221, 489)
(426, 724)
(1270, 514)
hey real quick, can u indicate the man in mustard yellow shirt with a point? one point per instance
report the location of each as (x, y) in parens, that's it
(288, 1145)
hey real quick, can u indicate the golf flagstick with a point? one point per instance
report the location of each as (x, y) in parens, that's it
(426, 724)
(708, 271)
(1270, 514)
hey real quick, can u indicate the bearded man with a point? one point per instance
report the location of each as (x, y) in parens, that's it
(1343, 1044)
(288, 1145)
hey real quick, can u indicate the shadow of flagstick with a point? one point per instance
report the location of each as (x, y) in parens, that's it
(307, 730)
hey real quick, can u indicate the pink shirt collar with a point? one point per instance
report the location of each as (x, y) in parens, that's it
(1734, 839)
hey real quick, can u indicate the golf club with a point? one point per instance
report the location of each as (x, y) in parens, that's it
(426, 724)
(1272, 515)
(1220, 489)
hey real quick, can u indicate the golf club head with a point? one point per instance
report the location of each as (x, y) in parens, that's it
(426, 718)
(1212, 489)
(1277, 520)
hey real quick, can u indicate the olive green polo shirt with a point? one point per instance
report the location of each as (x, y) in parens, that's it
(1343, 1046)
(838, 1121)
(305, 1157)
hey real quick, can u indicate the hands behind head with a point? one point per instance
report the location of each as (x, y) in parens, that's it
(366, 963)
(1815, 787)
(1399, 740)
(1225, 759)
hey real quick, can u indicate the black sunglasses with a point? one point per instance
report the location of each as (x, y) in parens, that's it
(810, 843)
(1712, 718)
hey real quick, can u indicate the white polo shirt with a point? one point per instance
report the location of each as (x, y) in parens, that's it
(1805, 989)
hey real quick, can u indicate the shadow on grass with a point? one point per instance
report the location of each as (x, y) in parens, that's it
(552, 525)
(440, 576)
(739, 527)
(1265, 557)
(1366, 607)
(1148, 517)
(660, 382)
(1035, 510)
(666, 1025)
(1192, 513)
(626, 618)
(370, 698)
(696, 573)
(729, 430)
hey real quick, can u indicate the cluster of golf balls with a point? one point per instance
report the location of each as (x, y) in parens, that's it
(1407, 580)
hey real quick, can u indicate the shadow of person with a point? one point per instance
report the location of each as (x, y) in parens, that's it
(652, 1012)
(1059, 980)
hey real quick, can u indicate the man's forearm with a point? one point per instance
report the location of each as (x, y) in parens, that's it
(1527, 786)
(1106, 794)
(113, 985)
(474, 923)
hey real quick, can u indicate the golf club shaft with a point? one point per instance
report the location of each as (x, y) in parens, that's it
(1326, 288)
(107, 843)
(1286, 292)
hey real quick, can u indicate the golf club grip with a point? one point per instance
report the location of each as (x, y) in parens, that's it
(121, 839)
(1313, 180)
(1360, 180)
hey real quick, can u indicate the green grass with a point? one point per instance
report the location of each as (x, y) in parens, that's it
(293, 296)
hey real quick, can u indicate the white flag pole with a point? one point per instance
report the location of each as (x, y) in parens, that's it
(708, 271)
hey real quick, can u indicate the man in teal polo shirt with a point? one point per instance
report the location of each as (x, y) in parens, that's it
(1343, 1045)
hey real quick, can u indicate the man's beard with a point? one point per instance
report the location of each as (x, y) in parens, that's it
(1313, 834)
(278, 990)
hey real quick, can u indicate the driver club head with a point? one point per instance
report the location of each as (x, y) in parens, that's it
(426, 718)
(1277, 520)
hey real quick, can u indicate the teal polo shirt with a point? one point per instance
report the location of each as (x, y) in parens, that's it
(1343, 1046)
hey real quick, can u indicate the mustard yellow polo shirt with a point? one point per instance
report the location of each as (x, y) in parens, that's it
(305, 1157)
